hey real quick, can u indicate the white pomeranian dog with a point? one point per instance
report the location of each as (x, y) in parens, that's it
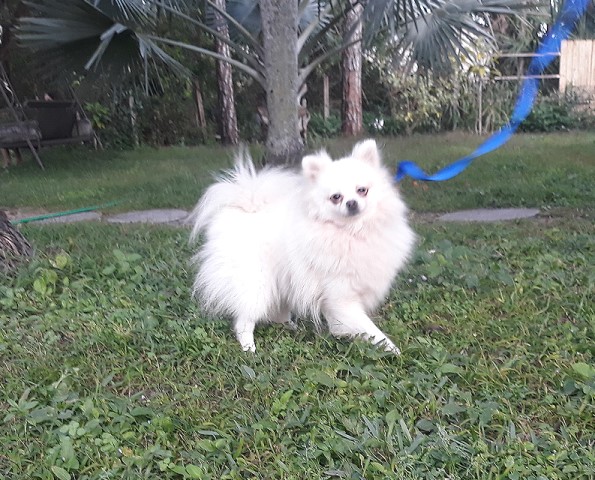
(326, 243)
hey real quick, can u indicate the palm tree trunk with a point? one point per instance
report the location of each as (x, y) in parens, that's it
(227, 107)
(279, 29)
(13, 245)
(351, 64)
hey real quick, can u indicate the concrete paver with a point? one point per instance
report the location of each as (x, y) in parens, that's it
(162, 215)
(75, 217)
(489, 215)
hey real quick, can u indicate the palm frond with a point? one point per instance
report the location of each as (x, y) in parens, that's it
(247, 14)
(79, 37)
(150, 50)
(329, 32)
(76, 33)
(251, 60)
(243, 33)
(253, 72)
(439, 34)
(60, 23)
(136, 12)
(320, 22)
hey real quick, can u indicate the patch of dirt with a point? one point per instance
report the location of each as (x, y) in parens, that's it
(20, 213)
(423, 217)
(554, 215)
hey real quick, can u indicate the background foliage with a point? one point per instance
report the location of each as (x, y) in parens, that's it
(395, 103)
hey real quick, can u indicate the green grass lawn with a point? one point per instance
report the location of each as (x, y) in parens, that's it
(554, 170)
(108, 369)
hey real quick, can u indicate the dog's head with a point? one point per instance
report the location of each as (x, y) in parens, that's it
(348, 188)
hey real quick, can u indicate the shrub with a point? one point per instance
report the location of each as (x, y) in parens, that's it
(379, 123)
(557, 112)
(321, 128)
(166, 119)
(112, 123)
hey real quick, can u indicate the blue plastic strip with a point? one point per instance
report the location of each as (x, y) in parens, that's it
(572, 11)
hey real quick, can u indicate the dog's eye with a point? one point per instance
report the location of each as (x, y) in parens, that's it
(336, 198)
(362, 191)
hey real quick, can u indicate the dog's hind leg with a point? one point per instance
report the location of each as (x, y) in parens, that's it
(350, 320)
(282, 316)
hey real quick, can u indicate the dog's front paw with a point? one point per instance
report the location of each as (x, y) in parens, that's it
(245, 336)
(388, 346)
(247, 342)
(248, 345)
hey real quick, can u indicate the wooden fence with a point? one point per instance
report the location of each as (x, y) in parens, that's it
(577, 65)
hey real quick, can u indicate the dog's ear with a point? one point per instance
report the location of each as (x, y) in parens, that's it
(312, 165)
(367, 151)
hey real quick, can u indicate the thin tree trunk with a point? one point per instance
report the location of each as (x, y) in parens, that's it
(326, 97)
(227, 107)
(133, 123)
(351, 64)
(279, 33)
(201, 120)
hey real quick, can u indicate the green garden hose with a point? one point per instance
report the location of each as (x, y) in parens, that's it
(63, 214)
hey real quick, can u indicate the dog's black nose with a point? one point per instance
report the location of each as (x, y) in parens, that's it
(352, 207)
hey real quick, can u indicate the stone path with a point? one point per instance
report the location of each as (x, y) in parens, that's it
(489, 215)
(180, 217)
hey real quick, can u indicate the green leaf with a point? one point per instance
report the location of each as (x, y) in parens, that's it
(193, 471)
(61, 260)
(320, 378)
(109, 270)
(569, 387)
(133, 257)
(453, 408)
(50, 276)
(434, 270)
(248, 372)
(393, 416)
(42, 414)
(60, 473)
(425, 426)
(40, 286)
(584, 370)
(280, 404)
(504, 277)
(66, 448)
(179, 469)
(472, 281)
(487, 412)
(450, 368)
(141, 412)
(120, 256)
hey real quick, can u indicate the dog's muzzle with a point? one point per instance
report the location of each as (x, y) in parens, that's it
(352, 207)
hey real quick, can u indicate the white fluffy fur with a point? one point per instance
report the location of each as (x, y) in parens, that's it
(278, 243)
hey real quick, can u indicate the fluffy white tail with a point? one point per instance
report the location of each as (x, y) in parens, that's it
(240, 187)
(225, 192)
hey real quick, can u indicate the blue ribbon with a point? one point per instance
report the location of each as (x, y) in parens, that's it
(571, 12)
